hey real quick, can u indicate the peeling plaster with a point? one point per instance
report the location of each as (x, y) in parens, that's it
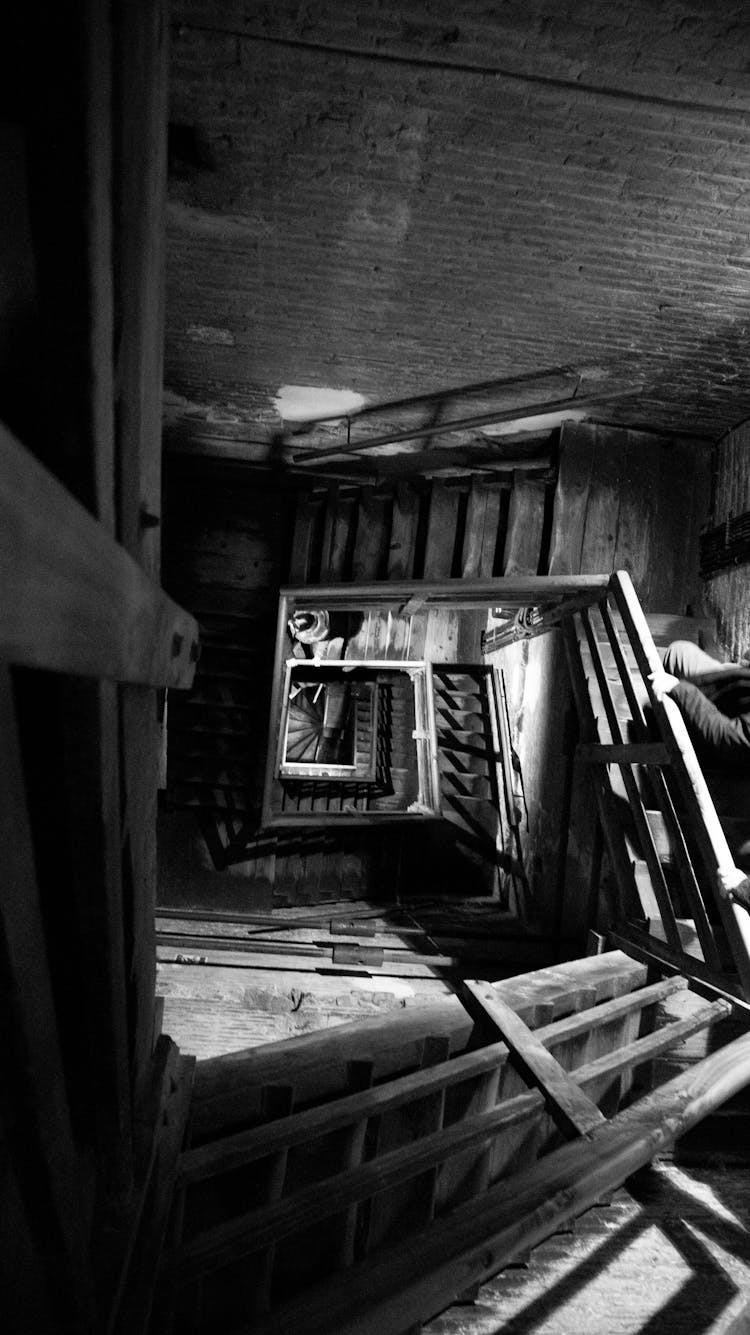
(308, 403)
(533, 425)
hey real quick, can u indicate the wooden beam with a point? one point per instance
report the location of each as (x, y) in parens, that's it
(569, 1107)
(73, 600)
(37, 1127)
(657, 953)
(513, 591)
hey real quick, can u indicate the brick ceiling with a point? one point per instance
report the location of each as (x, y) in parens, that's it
(409, 199)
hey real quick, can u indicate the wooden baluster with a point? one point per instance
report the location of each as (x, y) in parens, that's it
(359, 1077)
(278, 1101)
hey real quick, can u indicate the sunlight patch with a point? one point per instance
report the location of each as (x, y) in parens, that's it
(306, 403)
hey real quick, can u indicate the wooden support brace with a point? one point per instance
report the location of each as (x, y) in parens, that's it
(574, 1112)
(75, 601)
(701, 978)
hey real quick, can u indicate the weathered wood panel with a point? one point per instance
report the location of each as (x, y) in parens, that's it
(481, 533)
(76, 601)
(441, 531)
(401, 552)
(525, 524)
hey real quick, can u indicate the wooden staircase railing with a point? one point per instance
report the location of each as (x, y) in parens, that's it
(374, 1190)
(628, 763)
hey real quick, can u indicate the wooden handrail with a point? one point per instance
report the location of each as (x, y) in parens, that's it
(73, 600)
(516, 590)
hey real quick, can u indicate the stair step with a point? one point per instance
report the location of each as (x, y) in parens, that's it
(461, 720)
(461, 737)
(466, 784)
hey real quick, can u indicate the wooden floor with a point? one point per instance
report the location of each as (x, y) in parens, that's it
(671, 1254)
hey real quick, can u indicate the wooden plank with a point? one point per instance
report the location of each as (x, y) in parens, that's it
(371, 541)
(637, 524)
(441, 531)
(603, 509)
(342, 538)
(141, 55)
(34, 1103)
(673, 526)
(74, 600)
(132, 1308)
(329, 530)
(406, 505)
(523, 542)
(412, 1202)
(511, 591)
(571, 1109)
(571, 498)
(481, 532)
(300, 571)
(473, 1242)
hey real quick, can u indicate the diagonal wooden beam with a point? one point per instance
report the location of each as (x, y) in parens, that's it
(73, 599)
(574, 1112)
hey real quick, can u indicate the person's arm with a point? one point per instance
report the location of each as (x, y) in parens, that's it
(715, 736)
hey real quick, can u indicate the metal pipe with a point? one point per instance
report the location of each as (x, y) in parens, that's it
(444, 428)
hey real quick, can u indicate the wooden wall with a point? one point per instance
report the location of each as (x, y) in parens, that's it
(624, 500)
(84, 99)
(727, 592)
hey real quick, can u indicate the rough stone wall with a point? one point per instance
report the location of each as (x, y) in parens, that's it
(395, 199)
(728, 593)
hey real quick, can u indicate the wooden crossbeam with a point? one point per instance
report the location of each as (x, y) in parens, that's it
(74, 600)
(570, 1108)
(511, 591)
